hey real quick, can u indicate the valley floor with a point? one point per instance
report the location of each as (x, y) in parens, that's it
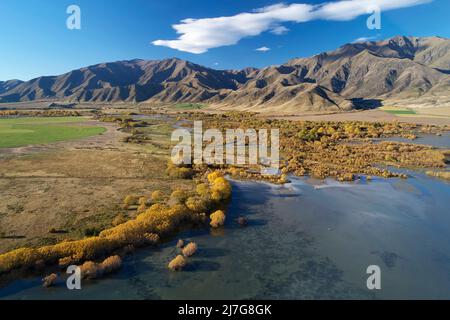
(429, 116)
(69, 189)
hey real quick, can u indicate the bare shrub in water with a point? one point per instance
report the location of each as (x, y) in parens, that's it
(50, 280)
(178, 263)
(190, 249)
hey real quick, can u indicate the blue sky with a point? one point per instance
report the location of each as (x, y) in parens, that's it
(35, 40)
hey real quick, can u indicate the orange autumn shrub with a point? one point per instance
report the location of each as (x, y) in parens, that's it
(213, 176)
(220, 189)
(197, 204)
(119, 219)
(190, 249)
(157, 196)
(177, 197)
(178, 263)
(130, 200)
(50, 280)
(90, 270)
(217, 219)
(111, 264)
(160, 220)
(202, 190)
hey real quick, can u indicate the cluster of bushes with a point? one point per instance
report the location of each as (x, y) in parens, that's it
(158, 221)
(142, 203)
(93, 270)
(342, 150)
(179, 171)
(90, 270)
(439, 174)
(181, 260)
(124, 122)
(243, 173)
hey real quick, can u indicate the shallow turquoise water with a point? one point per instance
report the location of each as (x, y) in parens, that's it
(305, 240)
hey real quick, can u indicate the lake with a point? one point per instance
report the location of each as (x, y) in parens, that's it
(306, 240)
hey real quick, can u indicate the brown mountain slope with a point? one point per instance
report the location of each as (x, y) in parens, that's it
(8, 85)
(400, 68)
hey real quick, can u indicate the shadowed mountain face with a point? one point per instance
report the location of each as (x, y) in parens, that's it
(8, 85)
(393, 69)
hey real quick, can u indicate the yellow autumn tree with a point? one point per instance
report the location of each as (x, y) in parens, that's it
(218, 219)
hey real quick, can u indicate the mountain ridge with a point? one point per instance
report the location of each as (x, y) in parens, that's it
(387, 70)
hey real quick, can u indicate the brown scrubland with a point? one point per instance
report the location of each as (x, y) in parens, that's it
(149, 200)
(342, 150)
(159, 221)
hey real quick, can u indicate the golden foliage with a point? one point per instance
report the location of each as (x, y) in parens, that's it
(190, 249)
(218, 219)
(177, 197)
(160, 220)
(119, 219)
(157, 196)
(202, 189)
(50, 280)
(197, 204)
(180, 244)
(220, 189)
(213, 176)
(142, 201)
(142, 208)
(92, 270)
(439, 174)
(179, 172)
(130, 200)
(178, 263)
(111, 264)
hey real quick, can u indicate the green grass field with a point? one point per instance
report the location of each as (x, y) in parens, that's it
(399, 111)
(18, 132)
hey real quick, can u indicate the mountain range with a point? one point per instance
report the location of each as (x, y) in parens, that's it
(395, 71)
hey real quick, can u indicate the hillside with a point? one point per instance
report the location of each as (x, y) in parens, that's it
(354, 76)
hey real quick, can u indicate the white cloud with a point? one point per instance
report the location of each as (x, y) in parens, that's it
(263, 49)
(365, 39)
(199, 35)
(279, 30)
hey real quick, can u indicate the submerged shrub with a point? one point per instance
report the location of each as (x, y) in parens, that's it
(111, 264)
(180, 244)
(178, 263)
(50, 280)
(242, 221)
(190, 249)
(90, 270)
